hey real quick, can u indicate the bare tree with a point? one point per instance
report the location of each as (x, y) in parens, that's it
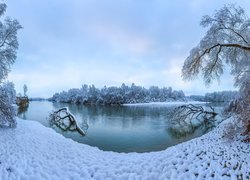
(8, 48)
(226, 43)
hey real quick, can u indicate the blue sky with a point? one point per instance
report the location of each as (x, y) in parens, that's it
(67, 43)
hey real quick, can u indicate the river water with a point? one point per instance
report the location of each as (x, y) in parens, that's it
(115, 128)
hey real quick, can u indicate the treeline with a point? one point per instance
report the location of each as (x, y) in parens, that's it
(221, 96)
(118, 95)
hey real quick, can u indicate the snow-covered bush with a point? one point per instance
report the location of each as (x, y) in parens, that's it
(7, 110)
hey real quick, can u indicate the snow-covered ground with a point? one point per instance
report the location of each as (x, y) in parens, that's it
(170, 103)
(32, 151)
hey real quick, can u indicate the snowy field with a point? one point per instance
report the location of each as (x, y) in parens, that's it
(171, 103)
(32, 151)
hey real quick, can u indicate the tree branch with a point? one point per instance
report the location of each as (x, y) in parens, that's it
(207, 51)
(6, 36)
(57, 119)
(216, 60)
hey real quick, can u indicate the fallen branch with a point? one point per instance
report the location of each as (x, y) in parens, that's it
(65, 120)
(189, 115)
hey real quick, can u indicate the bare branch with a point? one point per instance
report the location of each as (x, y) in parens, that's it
(185, 113)
(58, 119)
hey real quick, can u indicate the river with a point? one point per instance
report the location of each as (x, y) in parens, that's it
(115, 128)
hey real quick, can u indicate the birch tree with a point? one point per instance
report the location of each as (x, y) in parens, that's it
(225, 44)
(8, 47)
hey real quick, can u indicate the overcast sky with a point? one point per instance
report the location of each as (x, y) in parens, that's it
(67, 43)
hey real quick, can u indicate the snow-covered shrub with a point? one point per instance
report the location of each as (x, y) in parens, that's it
(7, 110)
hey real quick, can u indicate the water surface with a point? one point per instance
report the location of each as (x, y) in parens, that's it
(115, 128)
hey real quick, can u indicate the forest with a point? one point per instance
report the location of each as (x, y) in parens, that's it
(118, 95)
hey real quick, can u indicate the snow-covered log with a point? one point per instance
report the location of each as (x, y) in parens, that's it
(65, 120)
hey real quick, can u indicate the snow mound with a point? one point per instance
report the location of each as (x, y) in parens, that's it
(32, 151)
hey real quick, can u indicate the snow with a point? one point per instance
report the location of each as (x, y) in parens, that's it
(32, 151)
(171, 103)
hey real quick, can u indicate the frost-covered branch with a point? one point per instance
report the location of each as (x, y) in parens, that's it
(186, 119)
(186, 114)
(65, 120)
(226, 43)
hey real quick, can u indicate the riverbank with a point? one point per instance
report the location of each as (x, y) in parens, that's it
(32, 151)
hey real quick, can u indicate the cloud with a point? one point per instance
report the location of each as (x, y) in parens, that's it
(119, 38)
(107, 43)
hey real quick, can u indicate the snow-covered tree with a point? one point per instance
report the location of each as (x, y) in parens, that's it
(226, 44)
(8, 48)
(118, 95)
(7, 99)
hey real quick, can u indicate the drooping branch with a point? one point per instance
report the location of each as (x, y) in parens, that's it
(186, 114)
(235, 32)
(238, 34)
(66, 121)
(216, 60)
(195, 61)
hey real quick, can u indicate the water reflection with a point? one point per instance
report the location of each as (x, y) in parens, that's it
(123, 116)
(116, 128)
(22, 111)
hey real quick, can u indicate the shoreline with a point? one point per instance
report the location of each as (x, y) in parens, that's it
(34, 151)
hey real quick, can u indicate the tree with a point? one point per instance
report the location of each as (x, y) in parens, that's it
(25, 89)
(8, 48)
(117, 95)
(7, 98)
(226, 43)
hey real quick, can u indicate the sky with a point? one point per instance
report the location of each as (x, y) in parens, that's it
(67, 43)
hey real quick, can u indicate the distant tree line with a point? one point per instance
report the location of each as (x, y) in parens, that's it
(221, 96)
(118, 95)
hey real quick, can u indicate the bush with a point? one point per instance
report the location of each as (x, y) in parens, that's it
(7, 109)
